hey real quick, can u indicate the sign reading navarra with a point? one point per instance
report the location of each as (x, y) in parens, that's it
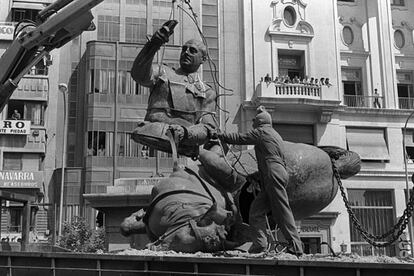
(20, 179)
(15, 127)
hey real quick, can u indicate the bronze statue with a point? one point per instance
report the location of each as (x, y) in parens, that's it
(178, 100)
(196, 209)
(182, 198)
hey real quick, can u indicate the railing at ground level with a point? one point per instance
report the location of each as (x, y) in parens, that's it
(36, 263)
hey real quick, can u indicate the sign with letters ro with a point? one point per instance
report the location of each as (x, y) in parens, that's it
(17, 127)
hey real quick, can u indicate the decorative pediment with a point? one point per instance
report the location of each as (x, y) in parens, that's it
(289, 19)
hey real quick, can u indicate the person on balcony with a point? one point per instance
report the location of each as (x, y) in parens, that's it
(16, 115)
(377, 103)
(267, 79)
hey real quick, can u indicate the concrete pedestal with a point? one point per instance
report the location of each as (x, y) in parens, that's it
(121, 200)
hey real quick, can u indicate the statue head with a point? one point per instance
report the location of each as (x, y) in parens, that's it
(262, 117)
(193, 54)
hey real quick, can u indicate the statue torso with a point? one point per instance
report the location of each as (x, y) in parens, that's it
(178, 98)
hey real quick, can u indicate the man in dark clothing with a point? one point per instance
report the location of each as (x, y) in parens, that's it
(268, 147)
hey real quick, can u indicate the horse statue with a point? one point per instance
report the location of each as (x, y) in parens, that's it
(190, 211)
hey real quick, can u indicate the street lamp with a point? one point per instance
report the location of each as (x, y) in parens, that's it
(64, 89)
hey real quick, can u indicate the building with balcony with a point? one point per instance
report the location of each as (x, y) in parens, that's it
(28, 135)
(365, 49)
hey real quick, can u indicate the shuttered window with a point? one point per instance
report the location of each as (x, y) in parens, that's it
(12, 161)
(375, 210)
(296, 133)
(369, 143)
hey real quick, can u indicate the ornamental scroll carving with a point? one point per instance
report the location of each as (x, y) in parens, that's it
(289, 19)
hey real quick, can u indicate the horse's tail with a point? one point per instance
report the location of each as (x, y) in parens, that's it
(347, 162)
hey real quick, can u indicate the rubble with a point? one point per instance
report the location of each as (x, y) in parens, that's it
(352, 258)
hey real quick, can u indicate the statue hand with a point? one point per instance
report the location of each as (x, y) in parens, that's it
(178, 132)
(166, 31)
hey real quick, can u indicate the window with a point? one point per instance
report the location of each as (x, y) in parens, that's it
(34, 113)
(103, 81)
(399, 39)
(289, 16)
(12, 161)
(347, 35)
(397, 3)
(128, 147)
(136, 2)
(30, 111)
(346, 1)
(100, 143)
(24, 14)
(375, 210)
(296, 133)
(16, 218)
(409, 144)
(135, 29)
(405, 90)
(128, 86)
(369, 143)
(108, 28)
(352, 85)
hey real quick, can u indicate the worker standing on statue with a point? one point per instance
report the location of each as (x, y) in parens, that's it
(268, 147)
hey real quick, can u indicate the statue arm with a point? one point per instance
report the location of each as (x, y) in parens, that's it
(142, 71)
(249, 138)
(209, 107)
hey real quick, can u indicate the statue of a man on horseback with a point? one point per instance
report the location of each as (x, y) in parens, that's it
(194, 209)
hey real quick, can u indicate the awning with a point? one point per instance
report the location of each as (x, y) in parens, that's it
(28, 5)
(370, 144)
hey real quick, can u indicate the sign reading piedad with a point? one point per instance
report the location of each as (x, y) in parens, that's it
(15, 127)
(6, 32)
(20, 179)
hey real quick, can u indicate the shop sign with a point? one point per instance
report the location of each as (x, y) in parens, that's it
(310, 228)
(6, 32)
(20, 179)
(15, 127)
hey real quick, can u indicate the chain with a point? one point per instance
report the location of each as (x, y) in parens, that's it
(377, 240)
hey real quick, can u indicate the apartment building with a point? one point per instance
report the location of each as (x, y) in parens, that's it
(365, 49)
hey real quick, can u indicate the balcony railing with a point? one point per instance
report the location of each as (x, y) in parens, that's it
(34, 88)
(136, 162)
(289, 90)
(405, 103)
(130, 99)
(364, 101)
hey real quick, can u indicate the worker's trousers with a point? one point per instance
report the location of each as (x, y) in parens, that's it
(273, 197)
